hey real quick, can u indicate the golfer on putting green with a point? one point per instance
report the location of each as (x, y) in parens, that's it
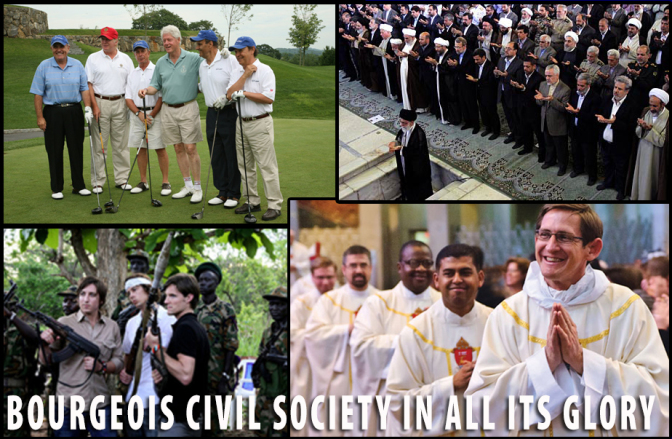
(176, 76)
(254, 84)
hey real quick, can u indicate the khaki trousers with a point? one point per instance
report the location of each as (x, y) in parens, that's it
(114, 126)
(259, 148)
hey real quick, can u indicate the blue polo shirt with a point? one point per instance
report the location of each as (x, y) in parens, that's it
(57, 85)
(178, 82)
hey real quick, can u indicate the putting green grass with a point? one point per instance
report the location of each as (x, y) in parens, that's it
(302, 92)
(306, 161)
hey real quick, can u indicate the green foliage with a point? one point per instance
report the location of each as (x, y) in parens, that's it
(265, 49)
(234, 15)
(203, 25)
(328, 57)
(38, 285)
(305, 28)
(252, 320)
(158, 19)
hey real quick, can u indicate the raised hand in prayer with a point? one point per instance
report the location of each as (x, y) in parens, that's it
(601, 119)
(571, 109)
(462, 377)
(431, 60)
(532, 55)
(572, 351)
(552, 348)
(394, 146)
(471, 78)
(538, 96)
(553, 60)
(602, 75)
(415, 54)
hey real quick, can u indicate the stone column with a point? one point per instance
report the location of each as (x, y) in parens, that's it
(437, 226)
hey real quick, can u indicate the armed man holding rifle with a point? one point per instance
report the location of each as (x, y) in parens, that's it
(85, 370)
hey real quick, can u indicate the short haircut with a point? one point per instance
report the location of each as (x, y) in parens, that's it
(321, 262)
(583, 16)
(524, 29)
(555, 69)
(665, 17)
(585, 77)
(356, 250)
(659, 266)
(546, 7)
(143, 275)
(591, 224)
(648, 51)
(531, 60)
(413, 243)
(469, 15)
(186, 284)
(460, 250)
(514, 46)
(593, 49)
(613, 52)
(545, 37)
(479, 52)
(101, 288)
(433, 6)
(522, 263)
(172, 30)
(625, 81)
(449, 17)
(461, 40)
(625, 275)
(415, 9)
(561, 7)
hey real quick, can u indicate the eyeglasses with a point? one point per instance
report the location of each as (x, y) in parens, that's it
(414, 263)
(560, 237)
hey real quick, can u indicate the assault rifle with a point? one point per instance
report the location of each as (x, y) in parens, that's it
(269, 353)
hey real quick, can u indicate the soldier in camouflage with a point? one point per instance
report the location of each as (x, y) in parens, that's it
(20, 343)
(271, 371)
(219, 320)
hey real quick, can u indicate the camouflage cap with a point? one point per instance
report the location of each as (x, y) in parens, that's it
(209, 266)
(278, 293)
(138, 254)
(71, 291)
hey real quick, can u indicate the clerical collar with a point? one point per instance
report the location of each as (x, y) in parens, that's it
(591, 286)
(408, 294)
(452, 318)
(358, 293)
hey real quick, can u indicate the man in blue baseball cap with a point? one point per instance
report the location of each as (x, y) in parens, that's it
(215, 73)
(60, 84)
(138, 79)
(254, 84)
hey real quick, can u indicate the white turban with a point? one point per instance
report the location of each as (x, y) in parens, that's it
(442, 42)
(573, 36)
(529, 12)
(635, 22)
(396, 41)
(660, 94)
(505, 22)
(386, 27)
(410, 32)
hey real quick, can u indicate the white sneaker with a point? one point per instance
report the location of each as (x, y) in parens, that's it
(215, 201)
(183, 193)
(126, 187)
(85, 192)
(197, 196)
(57, 196)
(231, 203)
(97, 190)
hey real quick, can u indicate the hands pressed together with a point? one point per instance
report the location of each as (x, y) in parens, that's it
(562, 341)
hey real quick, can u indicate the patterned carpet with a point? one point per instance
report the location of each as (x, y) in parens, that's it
(492, 162)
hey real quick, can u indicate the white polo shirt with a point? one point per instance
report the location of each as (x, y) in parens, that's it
(108, 75)
(139, 79)
(262, 81)
(215, 77)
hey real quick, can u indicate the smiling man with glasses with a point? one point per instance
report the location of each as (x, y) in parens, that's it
(571, 332)
(382, 318)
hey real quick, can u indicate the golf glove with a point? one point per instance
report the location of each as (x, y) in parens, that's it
(237, 95)
(225, 53)
(150, 121)
(88, 115)
(220, 102)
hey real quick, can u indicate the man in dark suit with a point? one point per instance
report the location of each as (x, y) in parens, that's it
(583, 105)
(569, 59)
(607, 74)
(593, 13)
(469, 32)
(618, 115)
(507, 69)
(427, 74)
(527, 83)
(525, 44)
(604, 39)
(388, 14)
(585, 32)
(446, 30)
(552, 97)
(412, 154)
(434, 19)
(660, 50)
(616, 18)
(403, 20)
(418, 22)
(486, 83)
(466, 90)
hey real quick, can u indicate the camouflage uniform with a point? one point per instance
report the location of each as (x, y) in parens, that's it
(19, 365)
(279, 378)
(543, 28)
(219, 321)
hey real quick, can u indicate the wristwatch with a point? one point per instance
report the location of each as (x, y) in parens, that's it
(136, 114)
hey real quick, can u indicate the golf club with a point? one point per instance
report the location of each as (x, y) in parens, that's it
(199, 215)
(155, 203)
(113, 209)
(98, 209)
(249, 218)
(107, 177)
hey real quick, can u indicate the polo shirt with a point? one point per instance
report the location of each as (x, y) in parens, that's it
(137, 80)
(179, 81)
(262, 81)
(108, 75)
(57, 85)
(215, 77)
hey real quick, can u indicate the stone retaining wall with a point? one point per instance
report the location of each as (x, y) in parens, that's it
(24, 22)
(125, 43)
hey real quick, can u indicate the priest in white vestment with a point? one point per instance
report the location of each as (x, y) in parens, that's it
(323, 279)
(436, 352)
(299, 257)
(380, 321)
(570, 332)
(650, 131)
(328, 332)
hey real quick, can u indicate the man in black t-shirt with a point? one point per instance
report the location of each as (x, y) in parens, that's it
(186, 356)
